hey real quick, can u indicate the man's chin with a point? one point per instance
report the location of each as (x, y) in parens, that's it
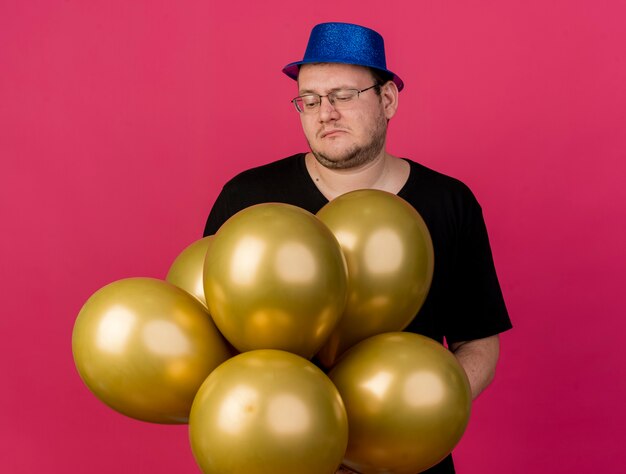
(335, 163)
(339, 162)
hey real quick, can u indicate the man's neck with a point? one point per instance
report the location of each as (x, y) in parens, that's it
(386, 173)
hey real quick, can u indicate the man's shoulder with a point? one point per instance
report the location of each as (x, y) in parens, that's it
(274, 171)
(428, 180)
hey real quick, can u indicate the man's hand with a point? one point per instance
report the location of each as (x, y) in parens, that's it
(479, 358)
(345, 470)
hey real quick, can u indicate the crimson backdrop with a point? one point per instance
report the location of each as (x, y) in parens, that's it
(120, 121)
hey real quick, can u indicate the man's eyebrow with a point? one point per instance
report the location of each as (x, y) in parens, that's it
(334, 89)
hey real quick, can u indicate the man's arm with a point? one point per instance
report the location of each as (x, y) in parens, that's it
(479, 358)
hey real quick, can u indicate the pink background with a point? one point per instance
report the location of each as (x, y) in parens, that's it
(120, 121)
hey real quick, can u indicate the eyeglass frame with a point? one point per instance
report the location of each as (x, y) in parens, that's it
(328, 96)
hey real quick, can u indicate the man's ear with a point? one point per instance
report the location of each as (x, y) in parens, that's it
(389, 97)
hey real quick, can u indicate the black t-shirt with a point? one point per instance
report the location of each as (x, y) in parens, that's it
(464, 302)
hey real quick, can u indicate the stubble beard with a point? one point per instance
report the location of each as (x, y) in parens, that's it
(356, 155)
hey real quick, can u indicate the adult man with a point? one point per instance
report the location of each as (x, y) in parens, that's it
(346, 98)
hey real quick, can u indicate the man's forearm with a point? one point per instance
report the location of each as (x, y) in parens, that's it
(479, 358)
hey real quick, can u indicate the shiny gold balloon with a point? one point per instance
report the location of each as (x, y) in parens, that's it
(390, 260)
(186, 270)
(275, 279)
(268, 412)
(144, 347)
(408, 402)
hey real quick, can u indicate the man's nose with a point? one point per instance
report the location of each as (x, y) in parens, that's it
(327, 110)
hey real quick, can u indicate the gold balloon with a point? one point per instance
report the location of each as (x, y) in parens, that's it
(390, 260)
(144, 347)
(275, 279)
(268, 412)
(186, 270)
(408, 402)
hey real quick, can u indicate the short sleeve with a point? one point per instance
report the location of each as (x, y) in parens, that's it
(477, 308)
(220, 212)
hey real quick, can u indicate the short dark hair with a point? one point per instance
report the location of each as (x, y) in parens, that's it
(381, 77)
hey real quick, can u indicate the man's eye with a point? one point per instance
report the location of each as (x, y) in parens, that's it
(310, 101)
(343, 97)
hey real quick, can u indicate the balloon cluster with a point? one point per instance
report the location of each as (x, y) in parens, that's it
(224, 343)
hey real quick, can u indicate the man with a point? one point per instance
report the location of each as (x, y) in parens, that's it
(346, 98)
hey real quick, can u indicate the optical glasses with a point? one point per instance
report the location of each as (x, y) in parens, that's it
(340, 98)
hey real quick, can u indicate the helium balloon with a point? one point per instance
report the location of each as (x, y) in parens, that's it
(408, 402)
(390, 260)
(144, 347)
(186, 270)
(268, 412)
(275, 279)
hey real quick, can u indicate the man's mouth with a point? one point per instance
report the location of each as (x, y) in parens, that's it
(331, 132)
